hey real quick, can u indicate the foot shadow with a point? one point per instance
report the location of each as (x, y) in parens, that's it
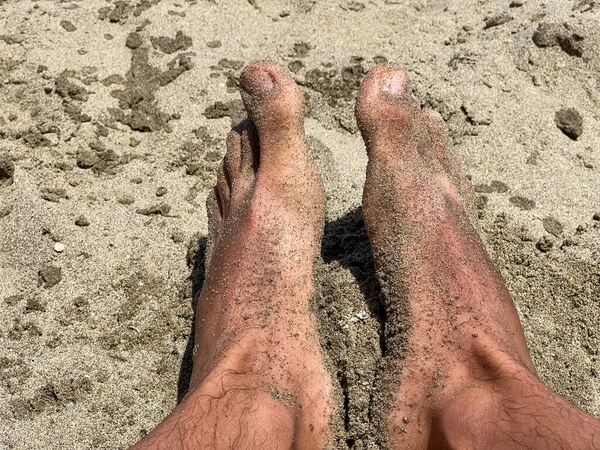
(345, 240)
(196, 260)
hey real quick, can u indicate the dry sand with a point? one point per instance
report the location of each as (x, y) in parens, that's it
(115, 139)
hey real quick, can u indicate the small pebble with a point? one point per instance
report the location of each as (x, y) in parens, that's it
(35, 304)
(82, 221)
(126, 199)
(553, 226)
(498, 20)
(161, 209)
(544, 245)
(596, 216)
(68, 26)
(134, 40)
(570, 122)
(406, 420)
(295, 66)
(161, 191)
(50, 276)
(59, 247)
(86, 159)
(178, 236)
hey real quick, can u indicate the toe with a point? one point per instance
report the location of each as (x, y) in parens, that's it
(276, 107)
(242, 165)
(214, 212)
(223, 190)
(250, 148)
(386, 111)
(233, 157)
(437, 132)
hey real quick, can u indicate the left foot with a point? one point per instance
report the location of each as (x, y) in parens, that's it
(259, 379)
(467, 381)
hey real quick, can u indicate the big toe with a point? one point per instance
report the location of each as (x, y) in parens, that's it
(276, 107)
(386, 109)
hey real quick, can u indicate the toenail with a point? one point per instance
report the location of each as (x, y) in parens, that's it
(258, 82)
(394, 83)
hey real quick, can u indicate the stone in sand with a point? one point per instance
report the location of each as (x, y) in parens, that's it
(134, 40)
(498, 20)
(50, 276)
(126, 199)
(544, 245)
(161, 209)
(35, 304)
(522, 202)
(86, 159)
(68, 26)
(570, 122)
(553, 226)
(82, 221)
(295, 65)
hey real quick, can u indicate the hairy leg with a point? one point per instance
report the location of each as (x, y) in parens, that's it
(467, 380)
(259, 379)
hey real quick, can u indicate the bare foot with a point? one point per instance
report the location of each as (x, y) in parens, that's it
(467, 380)
(259, 379)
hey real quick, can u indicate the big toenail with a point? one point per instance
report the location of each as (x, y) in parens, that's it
(393, 83)
(258, 82)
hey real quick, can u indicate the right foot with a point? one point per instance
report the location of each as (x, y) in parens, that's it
(451, 324)
(259, 378)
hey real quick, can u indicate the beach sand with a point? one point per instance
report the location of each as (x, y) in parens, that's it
(112, 125)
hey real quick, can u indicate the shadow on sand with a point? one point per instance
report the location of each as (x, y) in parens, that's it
(344, 240)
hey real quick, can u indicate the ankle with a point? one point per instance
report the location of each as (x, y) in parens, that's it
(461, 423)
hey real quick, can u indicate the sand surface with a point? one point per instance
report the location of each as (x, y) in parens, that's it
(109, 144)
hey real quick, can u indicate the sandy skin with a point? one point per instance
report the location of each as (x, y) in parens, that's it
(466, 377)
(260, 380)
